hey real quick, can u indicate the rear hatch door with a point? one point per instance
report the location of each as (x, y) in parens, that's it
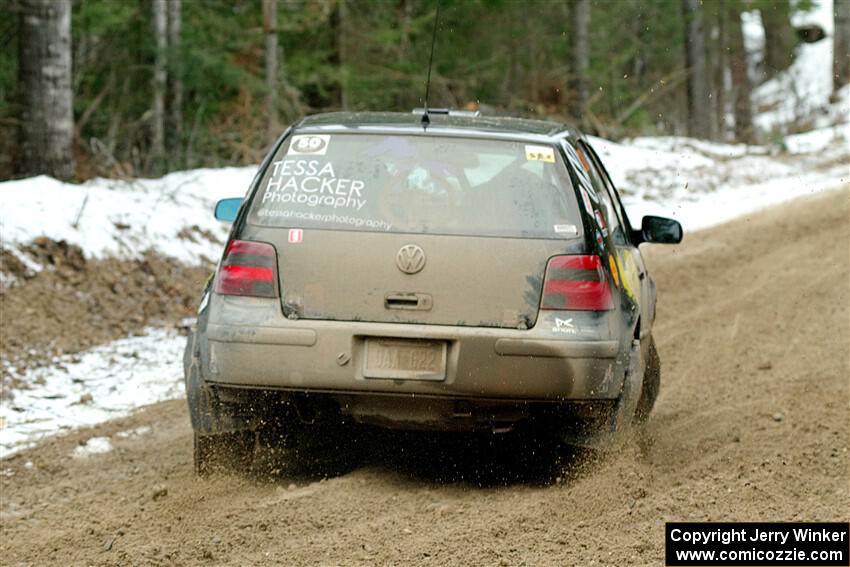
(415, 229)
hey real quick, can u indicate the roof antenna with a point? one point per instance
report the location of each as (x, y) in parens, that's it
(425, 119)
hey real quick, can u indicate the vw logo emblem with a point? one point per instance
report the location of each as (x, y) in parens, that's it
(410, 259)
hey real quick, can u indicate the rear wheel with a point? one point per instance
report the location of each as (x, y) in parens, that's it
(219, 452)
(224, 438)
(651, 383)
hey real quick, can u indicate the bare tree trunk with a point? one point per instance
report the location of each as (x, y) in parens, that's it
(741, 82)
(406, 15)
(342, 49)
(841, 44)
(175, 106)
(715, 63)
(44, 79)
(579, 56)
(720, 66)
(779, 36)
(270, 30)
(699, 103)
(160, 76)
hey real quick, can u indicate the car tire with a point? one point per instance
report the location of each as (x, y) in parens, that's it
(223, 452)
(651, 383)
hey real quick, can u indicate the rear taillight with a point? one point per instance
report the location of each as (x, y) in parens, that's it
(248, 268)
(576, 282)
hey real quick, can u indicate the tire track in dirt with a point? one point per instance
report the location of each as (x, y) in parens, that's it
(751, 424)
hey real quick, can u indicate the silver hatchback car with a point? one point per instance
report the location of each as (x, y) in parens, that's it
(465, 273)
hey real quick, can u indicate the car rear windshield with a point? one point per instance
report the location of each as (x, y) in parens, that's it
(418, 184)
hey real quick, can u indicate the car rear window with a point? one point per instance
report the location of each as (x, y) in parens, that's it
(418, 184)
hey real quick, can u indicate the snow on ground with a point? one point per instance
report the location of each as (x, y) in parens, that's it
(93, 446)
(103, 383)
(109, 217)
(702, 184)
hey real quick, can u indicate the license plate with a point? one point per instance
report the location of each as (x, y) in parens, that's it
(405, 359)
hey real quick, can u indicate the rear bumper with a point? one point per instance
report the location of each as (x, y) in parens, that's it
(328, 356)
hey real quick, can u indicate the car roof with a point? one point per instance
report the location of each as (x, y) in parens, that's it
(442, 124)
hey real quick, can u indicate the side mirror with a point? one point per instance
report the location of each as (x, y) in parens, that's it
(226, 209)
(660, 230)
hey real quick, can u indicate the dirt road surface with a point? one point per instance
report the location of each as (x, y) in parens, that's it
(751, 424)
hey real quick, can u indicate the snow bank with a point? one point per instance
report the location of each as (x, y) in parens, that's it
(702, 184)
(103, 383)
(106, 217)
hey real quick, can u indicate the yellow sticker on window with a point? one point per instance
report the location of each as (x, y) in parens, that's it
(540, 153)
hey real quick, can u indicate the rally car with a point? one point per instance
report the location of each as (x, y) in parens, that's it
(435, 270)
